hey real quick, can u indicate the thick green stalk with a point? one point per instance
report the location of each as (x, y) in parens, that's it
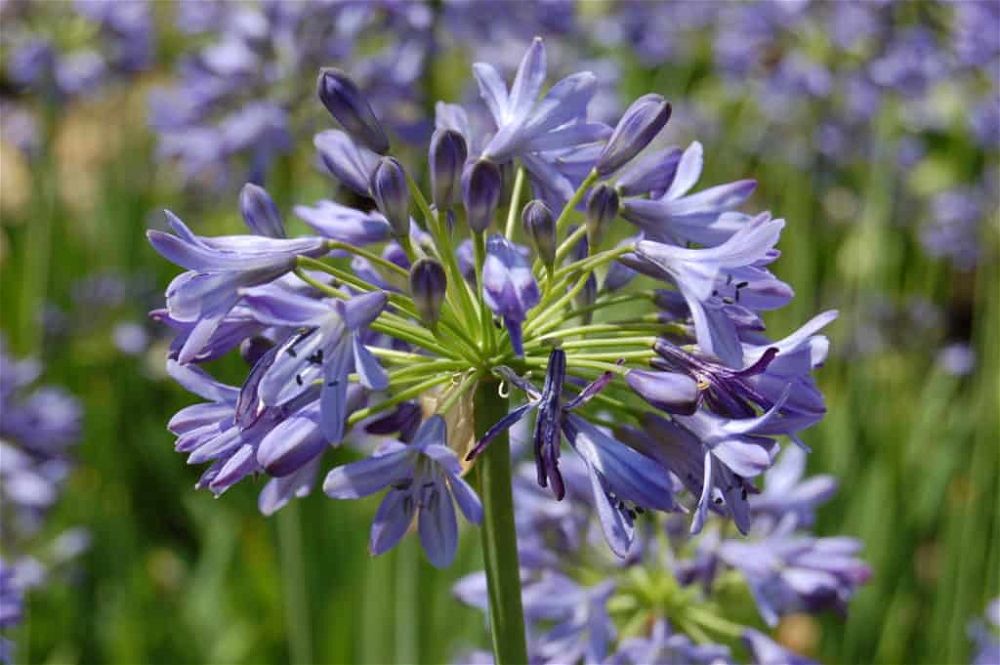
(499, 537)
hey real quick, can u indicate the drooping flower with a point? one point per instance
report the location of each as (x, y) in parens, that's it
(423, 478)
(509, 288)
(217, 269)
(622, 480)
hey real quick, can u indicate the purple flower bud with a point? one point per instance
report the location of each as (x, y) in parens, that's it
(540, 226)
(392, 195)
(602, 208)
(670, 391)
(252, 348)
(509, 288)
(481, 193)
(428, 283)
(448, 153)
(342, 98)
(260, 213)
(642, 121)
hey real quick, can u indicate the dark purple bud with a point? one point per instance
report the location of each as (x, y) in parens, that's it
(670, 391)
(392, 195)
(344, 101)
(540, 225)
(642, 121)
(509, 287)
(448, 153)
(428, 284)
(602, 208)
(481, 193)
(260, 213)
(253, 348)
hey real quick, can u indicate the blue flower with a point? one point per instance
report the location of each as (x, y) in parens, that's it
(327, 345)
(351, 164)
(424, 477)
(792, 573)
(697, 271)
(509, 287)
(666, 647)
(340, 222)
(672, 214)
(786, 493)
(217, 269)
(623, 481)
(526, 123)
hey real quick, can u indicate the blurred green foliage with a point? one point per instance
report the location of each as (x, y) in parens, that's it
(173, 575)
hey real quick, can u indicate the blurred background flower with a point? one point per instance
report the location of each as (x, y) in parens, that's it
(873, 128)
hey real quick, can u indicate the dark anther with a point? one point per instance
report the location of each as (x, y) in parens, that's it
(298, 379)
(316, 358)
(303, 333)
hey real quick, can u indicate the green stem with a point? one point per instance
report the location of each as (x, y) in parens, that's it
(515, 200)
(595, 328)
(401, 396)
(567, 245)
(567, 210)
(595, 260)
(374, 258)
(485, 316)
(549, 311)
(456, 393)
(499, 537)
(609, 341)
(602, 303)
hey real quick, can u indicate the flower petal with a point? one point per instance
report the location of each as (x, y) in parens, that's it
(437, 525)
(393, 518)
(367, 476)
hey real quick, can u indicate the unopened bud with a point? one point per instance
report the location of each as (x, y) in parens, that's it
(448, 153)
(540, 226)
(481, 193)
(392, 195)
(260, 213)
(602, 208)
(345, 102)
(640, 124)
(253, 348)
(428, 284)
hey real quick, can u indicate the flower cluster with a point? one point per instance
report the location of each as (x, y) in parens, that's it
(235, 100)
(57, 52)
(396, 315)
(38, 425)
(675, 598)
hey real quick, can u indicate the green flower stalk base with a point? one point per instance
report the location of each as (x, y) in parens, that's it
(499, 537)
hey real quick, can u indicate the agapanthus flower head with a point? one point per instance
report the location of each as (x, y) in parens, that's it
(419, 321)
